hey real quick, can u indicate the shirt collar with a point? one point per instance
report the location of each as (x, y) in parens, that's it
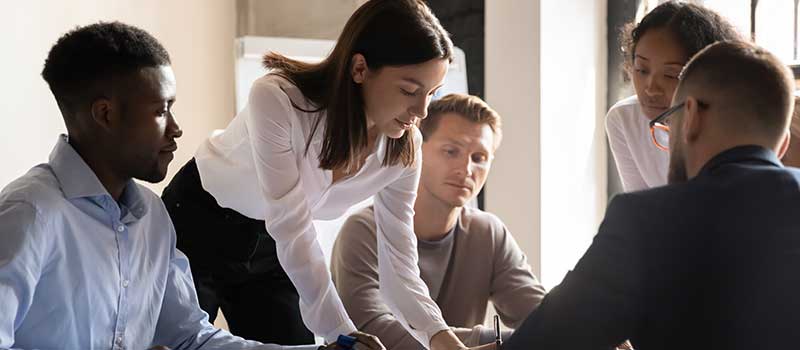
(77, 180)
(742, 154)
(446, 239)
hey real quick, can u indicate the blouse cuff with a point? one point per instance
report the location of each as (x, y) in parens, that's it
(345, 328)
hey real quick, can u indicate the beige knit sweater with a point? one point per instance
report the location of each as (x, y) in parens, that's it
(485, 265)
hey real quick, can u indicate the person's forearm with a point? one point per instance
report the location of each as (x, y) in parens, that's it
(465, 335)
(479, 335)
(446, 340)
(391, 332)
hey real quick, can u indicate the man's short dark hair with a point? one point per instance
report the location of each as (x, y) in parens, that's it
(86, 57)
(752, 82)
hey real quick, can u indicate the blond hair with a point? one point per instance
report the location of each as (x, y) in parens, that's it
(472, 108)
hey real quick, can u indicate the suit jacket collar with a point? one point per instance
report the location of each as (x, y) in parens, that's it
(742, 154)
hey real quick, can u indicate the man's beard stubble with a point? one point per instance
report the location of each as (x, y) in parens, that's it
(677, 167)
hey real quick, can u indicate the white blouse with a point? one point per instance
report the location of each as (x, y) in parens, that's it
(640, 163)
(258, 167)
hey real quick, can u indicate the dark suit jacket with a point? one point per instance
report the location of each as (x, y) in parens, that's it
(713, 263)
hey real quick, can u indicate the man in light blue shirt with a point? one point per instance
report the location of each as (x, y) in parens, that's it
(87, 255)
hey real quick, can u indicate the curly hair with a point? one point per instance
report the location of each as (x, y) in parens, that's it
(96, 53)
(693, 26)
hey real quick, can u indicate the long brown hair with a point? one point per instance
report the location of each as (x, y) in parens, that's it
(386, 33)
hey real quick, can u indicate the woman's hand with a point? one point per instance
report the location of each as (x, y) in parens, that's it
(447, 340)
(364, 341)
(625, 346)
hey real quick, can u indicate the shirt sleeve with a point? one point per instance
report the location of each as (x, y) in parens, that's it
(401, 286)
(515, 291)
(288, 217)
(182, 325)
(23, 255)
(629, 173)
(354, 266)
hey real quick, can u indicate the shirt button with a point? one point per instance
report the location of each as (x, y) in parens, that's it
(124, 285)
(120, 228)
(119, 340)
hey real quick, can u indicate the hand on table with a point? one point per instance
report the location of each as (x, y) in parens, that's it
(364, 341)
(447, 340)
(625, 346)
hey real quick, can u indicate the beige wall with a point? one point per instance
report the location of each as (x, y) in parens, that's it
(309, 19)
(197, 33)
(512, 86)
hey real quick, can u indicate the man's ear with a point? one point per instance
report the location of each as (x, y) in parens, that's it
(358, 68)
(784, 145)
(694, 120)
(103, 113)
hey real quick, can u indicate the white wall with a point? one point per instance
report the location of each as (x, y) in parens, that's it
(545, 74)
(197, 33)
(573, 141)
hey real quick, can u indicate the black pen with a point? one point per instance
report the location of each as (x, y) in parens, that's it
(498, 339)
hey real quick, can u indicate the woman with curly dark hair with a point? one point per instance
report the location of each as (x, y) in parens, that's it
(655, 50)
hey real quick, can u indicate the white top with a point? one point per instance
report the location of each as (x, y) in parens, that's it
(640, 163)
(257, 166)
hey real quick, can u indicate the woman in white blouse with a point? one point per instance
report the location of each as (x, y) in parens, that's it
(313, 140)
(655, 50)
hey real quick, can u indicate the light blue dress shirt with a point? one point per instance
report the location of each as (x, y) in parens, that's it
(79, 270)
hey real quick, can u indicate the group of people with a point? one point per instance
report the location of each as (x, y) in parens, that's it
(696, 254)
